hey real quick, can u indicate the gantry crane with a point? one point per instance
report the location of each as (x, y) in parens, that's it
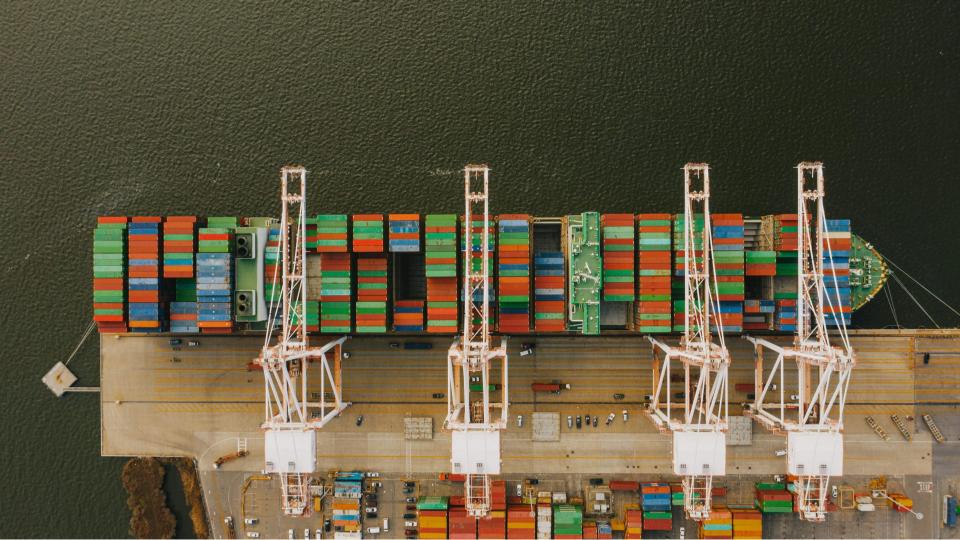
(699, 437)
(470, 414)
(291, 417)
(813, 421)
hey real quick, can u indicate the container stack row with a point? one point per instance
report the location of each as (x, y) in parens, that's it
(371, 307)
(513, 259)
(521, 522)
(655, 498)
(179, 246)
(408, 315)
(567, 521)
(653, 308)
(472, 242)
(109, 274)
(332, 233)
(335, 297)
(618, 259)
(215, 276)
(347, 495)
(462, 525)
(544, 518)
(272, 270)
(441, 271)
(785, 238)
(549, 311)
(633, 522)
(368, 233)
(747, 524)
(313, 235)
(836, 272)
(144, 309)
(432, 517)
(773, 498)
(679, 263)
(755, 313)
(718, 525)
(493, 526)
(728, 244)
(404, 233)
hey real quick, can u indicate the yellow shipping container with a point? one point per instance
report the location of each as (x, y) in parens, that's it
(637, 530)
(433, 522)
(438, 535)
(521, 525)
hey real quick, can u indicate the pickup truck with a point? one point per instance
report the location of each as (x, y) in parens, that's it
(549, 387)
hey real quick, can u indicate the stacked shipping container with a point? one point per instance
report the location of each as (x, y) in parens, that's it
(347, 493)
(618, 248)
(785, 237)
(404, 233)
(521, 522)
(679, 264)
(143, 266)
(179, 235)
(371, 306)
(514, 273)
(549, 309)
(475, 249)
(441, 270)
(335, 294)
(432, 514)
(109, 271)
(718, 525)
(747, 523)
(368, 233)
(568, 520)
(215, 276)
(461, 524)
(653, 260)
(408, 315)
(728, 243)
(332, 233)
(655, 499)
(836, 272)
(773, 498)
(632, 522)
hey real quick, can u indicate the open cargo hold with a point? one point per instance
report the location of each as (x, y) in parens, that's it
(143, 281)
(371, 305)
(441, 271)
(109, 274)
(404, 235)
(513, 257)
(335, 292)
(653, 308)
(475, 260)
(368, 233)
(618, 259)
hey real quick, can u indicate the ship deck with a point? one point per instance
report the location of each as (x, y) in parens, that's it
(197, 401)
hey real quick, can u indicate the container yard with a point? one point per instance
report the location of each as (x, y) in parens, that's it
(404, 312)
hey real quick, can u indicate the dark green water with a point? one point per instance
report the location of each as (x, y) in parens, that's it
(164, 108)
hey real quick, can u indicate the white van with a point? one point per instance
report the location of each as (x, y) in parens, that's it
(373, 530)
(386, 524)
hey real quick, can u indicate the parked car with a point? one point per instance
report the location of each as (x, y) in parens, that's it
(569, 421)
(373, 475)
(618, 397)
(410, 516)
(360, 420)
(251, 521)
(624, 415)
(438, 395)
(411, 500)
(586, 419)
(253, 534)
(596, 420)
(409, 523)
(519, 420)
(579, 422)
(611, 417)
(527, 349)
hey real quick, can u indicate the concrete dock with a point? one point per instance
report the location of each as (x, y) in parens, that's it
(198, 401)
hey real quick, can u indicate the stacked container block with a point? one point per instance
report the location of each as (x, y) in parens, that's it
(544, 518)
(408, 315)
(618, 248)
(368, 233)
(679, 265)
(335, 297)
(432, 514)
(441, 270)
(548, 294)
(109, 272)
(653, 310)
(347, 493)
(494, 525)
(475, 250)
(718, 525)
(461, 524)
(332, 233)
(728, 242)
(521, 522)
(183, 310)
(633, 522)
(404, 233)
(755, 314)
(371, 306)
(773, 498)
(657, 511)
(785, 238)
(143, 267)
(836, 272)
(747, 523)
(760, 263)
(312, 234)
(567, 521)
(271, 270)
(215, 277)
(513, 257)
(313, 315)
(179, 233)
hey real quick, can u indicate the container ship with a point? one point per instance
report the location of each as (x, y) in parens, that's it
(584, 274)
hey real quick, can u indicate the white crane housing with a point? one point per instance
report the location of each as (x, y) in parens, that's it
(699, 437)
(813, 422)
(470, 415)
(290, 417)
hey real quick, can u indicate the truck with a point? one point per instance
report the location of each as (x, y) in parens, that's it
(950, 511)
(478, 387)
(554, 387)
(229, 457)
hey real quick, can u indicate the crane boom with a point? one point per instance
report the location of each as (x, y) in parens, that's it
(699, 437)
(814, 430)
(470, 415)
